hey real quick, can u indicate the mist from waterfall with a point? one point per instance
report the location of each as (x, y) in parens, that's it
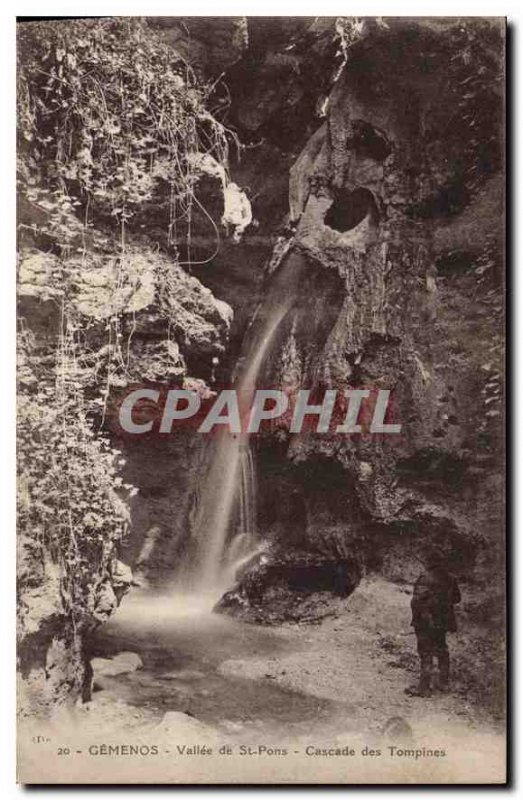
(225, 527)
(223, 532)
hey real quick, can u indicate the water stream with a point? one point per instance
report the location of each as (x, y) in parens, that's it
(183, 651)
(225, 526)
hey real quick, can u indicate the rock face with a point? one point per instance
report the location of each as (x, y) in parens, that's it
(172, 324)
(399, 201)
(209, 43)
(53, 667)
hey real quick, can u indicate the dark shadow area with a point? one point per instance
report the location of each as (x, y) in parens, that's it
(433, 465)
(457, 262)
(351, 208)
(368, 142)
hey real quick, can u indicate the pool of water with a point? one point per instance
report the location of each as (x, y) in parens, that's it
(182, 648)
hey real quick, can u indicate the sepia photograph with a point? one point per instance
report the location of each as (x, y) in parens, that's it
(261, 309)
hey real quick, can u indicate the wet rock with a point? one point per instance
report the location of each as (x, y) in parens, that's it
(125, 661)
(277, 586)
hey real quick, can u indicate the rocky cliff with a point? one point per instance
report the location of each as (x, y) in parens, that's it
(398, 196)
(386, 187)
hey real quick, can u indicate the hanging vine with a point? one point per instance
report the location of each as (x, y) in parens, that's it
(112, 126)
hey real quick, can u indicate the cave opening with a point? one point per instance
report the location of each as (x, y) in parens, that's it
(310, 573)
(350, 208)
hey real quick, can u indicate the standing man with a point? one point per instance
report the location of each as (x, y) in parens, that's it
(436, 592)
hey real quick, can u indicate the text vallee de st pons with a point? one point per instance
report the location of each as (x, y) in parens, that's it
(390, 751)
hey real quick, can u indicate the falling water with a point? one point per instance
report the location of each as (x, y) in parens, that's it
(247, 495)
(226, 520)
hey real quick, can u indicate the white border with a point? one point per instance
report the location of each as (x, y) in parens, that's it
(304, 8)
(511, 9)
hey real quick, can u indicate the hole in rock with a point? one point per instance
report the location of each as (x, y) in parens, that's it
(350, 208)
(338, 577)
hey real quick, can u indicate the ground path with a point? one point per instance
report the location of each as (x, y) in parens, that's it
(335, 683)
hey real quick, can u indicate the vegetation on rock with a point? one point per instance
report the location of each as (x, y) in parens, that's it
(112, 125)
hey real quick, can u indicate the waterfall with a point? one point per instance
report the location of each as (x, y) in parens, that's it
(225, 526)
(247, 494)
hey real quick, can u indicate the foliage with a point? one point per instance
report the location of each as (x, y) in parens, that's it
(68, 480)
(109, 118)
(465, 132)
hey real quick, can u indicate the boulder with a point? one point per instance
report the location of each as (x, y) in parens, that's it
(125, 661)
(295, 585)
